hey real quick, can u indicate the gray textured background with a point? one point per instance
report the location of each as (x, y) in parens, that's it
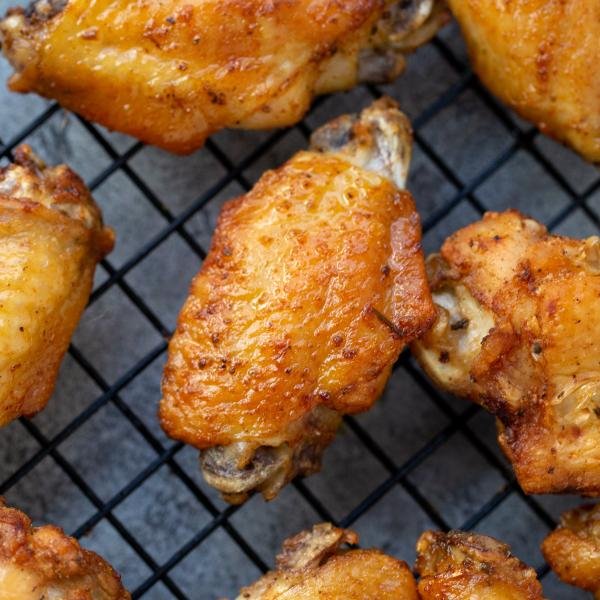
(107, 451)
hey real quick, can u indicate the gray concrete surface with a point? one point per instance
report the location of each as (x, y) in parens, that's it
(108, 452)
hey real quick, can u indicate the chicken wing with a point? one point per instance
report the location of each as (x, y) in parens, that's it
(518, 331)
(464, 566)
(314, 283)
(51, 237)
(42, 563)
(173, 72)
(541, 58)
(573, 549)
(312, 566)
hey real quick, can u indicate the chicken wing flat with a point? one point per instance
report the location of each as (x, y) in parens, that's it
(313, 566)
(42, 563)
(518, 331)
(541, 58)
(51, 237)
(464, 566)
(314, 283)
(573, 549)
(173, 72)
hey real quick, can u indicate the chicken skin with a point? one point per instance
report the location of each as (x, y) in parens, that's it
(573, 549)
(51, 237)
(518, 331)
(463, 566)
(42, 563)
(171, 73)
(541, 58)
(314, 283)
(313, 566)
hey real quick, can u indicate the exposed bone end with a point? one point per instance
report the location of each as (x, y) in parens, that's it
(379, 139)
(241, 469)
(404, 27)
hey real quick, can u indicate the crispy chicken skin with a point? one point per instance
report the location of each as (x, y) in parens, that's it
(51, 237)
(42, 563)
(518, 331)
(573, 549)
(314, 283)
(173, 72)
(541, 58)
(464, 566)
(313, 566)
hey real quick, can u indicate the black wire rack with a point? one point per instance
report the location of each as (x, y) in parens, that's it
(458, 419)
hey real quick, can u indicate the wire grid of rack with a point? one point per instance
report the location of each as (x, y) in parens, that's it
(419, 459)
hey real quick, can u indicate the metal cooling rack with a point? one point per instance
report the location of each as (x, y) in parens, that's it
(40, 453)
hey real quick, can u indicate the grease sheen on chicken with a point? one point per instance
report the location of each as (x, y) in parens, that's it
(466, 566)
(573, 549)
(173, 72)
(518, 331)
(42, 563)
(314, 283)
(51, 238)
(313, 565)
(541, 58)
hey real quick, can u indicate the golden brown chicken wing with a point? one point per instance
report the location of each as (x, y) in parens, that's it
(51, 237)
(541, 58)
(518, 331)
(42, 563)
(173, 72)
(573, 549)
(313, 566)
(314, 283)
(464, 566)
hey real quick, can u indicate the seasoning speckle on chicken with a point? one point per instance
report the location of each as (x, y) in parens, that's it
(313, 565)
(465, 566)
(573, 549)
(541, 58)
(51, 238)
(518, 331)
(173, 72)
(314, 283)
(42, 563)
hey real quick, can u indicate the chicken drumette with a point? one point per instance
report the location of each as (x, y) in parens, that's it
(573, 549)
(42, 563)
(541, 58)
(314, 283)
(518, 331)
(173, 72)
(313, 565)
(51, 238)
(465, 566)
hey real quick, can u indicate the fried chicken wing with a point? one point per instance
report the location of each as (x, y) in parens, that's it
(573, 549)
(541, 58)
(464, 566)
(518, 331)
(173, 72)
(314, 283)
(42, 563)
(313, 566)
(51, 237)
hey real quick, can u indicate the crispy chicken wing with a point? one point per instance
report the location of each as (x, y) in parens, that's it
(573, 549)
(42, 563)
(173, 72)
(314, 283)
(464, 566)
(51, 237)
(518, 331)
(541, 58)
(312, 566)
